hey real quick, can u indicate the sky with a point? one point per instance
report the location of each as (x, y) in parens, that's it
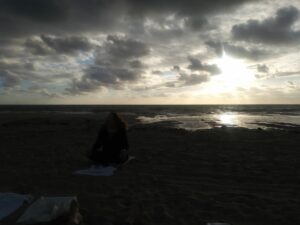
(149, 52)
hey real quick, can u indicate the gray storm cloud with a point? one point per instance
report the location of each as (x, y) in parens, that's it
(240, 51)
(33, 17)
(117, 62)
(272, 30)
(196, 64)
(46, 44)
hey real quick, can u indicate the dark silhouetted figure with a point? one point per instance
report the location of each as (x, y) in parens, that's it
(111, 145)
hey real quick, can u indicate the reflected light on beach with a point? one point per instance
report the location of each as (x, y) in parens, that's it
(227, 119)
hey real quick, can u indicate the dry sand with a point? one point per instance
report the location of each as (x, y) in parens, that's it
(238, 176)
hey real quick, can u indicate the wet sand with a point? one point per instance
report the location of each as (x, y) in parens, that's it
(234, 175)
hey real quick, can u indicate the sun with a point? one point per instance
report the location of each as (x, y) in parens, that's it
(234, 72)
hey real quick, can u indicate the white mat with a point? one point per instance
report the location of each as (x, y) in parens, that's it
(101, 170)
(10, 202)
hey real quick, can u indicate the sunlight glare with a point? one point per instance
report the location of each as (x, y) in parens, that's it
(234, 72)
(227, 119)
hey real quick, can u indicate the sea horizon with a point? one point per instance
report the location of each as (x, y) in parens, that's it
(189, 117)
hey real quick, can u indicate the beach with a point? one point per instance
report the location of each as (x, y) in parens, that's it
(228, 174)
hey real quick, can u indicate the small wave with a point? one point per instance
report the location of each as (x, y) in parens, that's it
(228, 119)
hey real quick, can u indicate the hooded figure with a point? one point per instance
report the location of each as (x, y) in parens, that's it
(111, 145)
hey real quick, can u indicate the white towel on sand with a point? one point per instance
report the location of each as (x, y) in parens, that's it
(101, 170)
(10, 202)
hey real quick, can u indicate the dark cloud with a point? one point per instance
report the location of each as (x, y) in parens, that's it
(110, 76)
(121, 51)
(274, 30)
(286, 73)
(167, 35)
(157, 72)
(67, 44)
(121, 48)
(39, 90)
(184, 79)
(251, 53)
(196, 64)
(46, 44)
(46, 93)
(136, 64)
(35, 10)
(292, 85)
(170, 84)
(202, 74)
(8, 79)
(192, 79)
(11, 48)
(37, 47)
(196, 23)
(187, 7)
(32, 17)
(17, 66)
(262, 71)
(12, 74)
(98, 77)
(117, 63)
(176, 68)
(262, 68)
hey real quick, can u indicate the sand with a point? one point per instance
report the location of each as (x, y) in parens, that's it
(232, 175)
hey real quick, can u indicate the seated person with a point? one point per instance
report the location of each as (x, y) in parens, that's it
(111, 145)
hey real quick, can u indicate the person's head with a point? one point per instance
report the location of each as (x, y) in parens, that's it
(114, 123)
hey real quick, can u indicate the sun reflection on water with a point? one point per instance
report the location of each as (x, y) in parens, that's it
(228, 119)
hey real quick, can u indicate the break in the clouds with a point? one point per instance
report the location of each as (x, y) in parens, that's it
(140, 51)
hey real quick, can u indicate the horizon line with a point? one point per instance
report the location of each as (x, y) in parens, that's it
(146, 104)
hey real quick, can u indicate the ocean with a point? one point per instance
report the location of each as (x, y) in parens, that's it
(190, 117)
